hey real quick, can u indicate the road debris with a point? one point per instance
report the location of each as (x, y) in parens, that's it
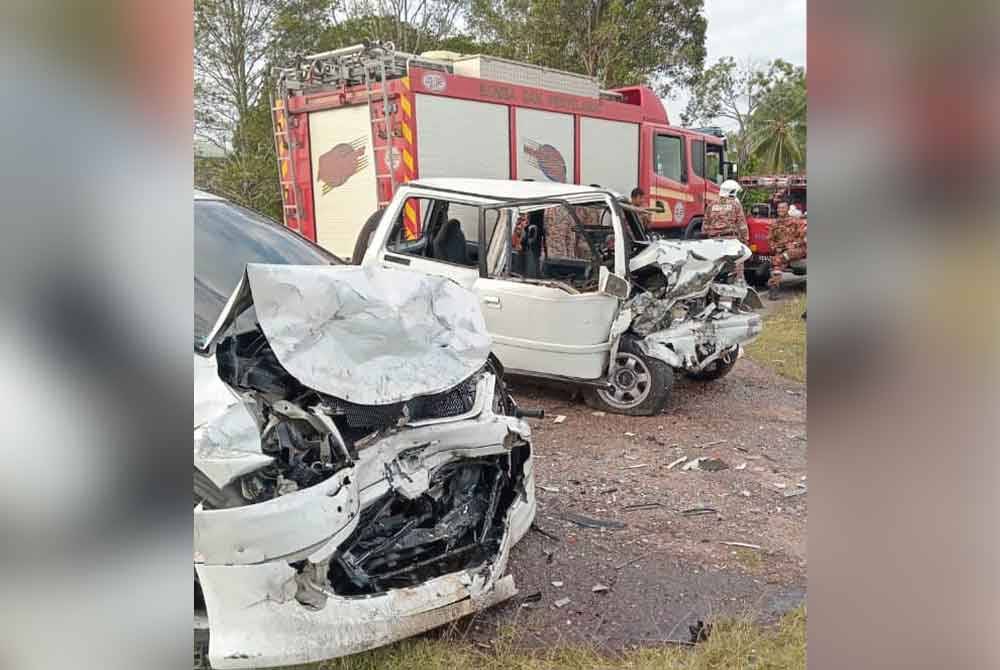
(588, 522)
(607, 491)
(635, 467)
(693, 463)
(559, 418)
(638, 506)
(745, 493)
(706, 464)
(676, 462)
(697, 511)
(541, 531)
(713, 465)
(562, 602)
(558, 585)
(549, 489)
(710, 444)
(599, 588)
(795, 492)
(745, 545)
(533, 597)
(627, 434)
(700, 631)
(741, 466)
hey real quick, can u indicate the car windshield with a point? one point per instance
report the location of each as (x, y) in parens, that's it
(226, 238)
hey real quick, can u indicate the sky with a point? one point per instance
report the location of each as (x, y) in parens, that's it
(761, 30)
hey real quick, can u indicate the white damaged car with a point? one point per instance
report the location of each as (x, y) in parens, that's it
(360, 471)
(571, 287)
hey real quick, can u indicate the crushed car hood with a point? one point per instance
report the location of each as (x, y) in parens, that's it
(370, 336)
(690, 266)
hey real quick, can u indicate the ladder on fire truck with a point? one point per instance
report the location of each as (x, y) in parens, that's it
(370, 64)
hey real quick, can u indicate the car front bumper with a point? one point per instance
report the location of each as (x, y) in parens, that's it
(249, 560)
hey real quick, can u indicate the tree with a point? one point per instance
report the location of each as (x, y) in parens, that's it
(766, 104)
(620, 42)
(778, 127)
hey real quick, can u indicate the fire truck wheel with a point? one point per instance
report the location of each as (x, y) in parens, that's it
(640, 385)
(365, 236)
(758, 276)
(718, 368)
(693, 231)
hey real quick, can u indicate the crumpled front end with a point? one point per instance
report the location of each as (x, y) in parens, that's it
(339, 526)
(690, 313)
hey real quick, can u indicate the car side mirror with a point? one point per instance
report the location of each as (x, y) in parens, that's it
(609, 283)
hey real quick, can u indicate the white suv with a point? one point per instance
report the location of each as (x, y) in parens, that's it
(571, 287)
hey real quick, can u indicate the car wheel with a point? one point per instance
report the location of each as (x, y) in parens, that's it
(365, 237)
(718, 368)
(640, 385)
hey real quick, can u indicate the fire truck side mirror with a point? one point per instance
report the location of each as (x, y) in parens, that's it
(730, 170)
(659, 207)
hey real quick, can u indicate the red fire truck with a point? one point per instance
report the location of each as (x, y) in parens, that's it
(352, 124)
(789, 188)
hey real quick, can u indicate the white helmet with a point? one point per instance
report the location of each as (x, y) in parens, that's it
(729, 188)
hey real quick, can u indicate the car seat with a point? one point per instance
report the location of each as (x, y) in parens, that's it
(449, 244)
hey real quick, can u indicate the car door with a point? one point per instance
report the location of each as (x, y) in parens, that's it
(540, 326)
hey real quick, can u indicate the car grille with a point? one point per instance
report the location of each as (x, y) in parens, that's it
(452, 402)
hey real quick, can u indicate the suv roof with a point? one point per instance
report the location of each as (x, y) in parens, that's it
(508, 189)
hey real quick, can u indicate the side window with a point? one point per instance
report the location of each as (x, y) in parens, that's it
(698, 157)
(437, 230)
(668, 157)
(713, 163)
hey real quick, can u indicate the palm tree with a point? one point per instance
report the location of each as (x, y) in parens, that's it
(778, 132)
(778, 138)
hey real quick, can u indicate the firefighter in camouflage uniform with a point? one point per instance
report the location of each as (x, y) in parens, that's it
(787, 239)
(725, 218)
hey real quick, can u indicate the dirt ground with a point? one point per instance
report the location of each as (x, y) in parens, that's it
(664, 569)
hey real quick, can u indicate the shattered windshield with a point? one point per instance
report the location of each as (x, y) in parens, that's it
(226, 238)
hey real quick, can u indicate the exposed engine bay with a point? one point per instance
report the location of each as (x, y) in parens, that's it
(320, 480)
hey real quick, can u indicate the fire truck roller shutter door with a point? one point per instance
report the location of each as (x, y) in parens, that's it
(609, 154)
(544, 145)
(461, 138)
(343, 173)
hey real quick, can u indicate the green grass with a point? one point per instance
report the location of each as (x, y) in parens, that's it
(733, 645)
(781, 346)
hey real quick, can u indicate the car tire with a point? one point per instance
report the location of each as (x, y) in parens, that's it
(693, 230)
(365, 237)
(212, 496)
(636, 396)
(717, 369)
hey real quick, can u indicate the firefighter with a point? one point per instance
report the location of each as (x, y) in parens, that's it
(725, 218)
(787, 239)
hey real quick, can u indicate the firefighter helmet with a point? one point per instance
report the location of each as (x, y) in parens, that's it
(729, 188)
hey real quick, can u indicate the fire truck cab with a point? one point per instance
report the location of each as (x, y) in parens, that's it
(352, 125)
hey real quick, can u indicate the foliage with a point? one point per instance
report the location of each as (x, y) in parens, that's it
(621, 42)
(733, 644)
(781, 345)
(238, 42)
(767, 104)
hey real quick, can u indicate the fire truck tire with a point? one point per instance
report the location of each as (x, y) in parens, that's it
(758, 275)
(365, 236)
(693, 231)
